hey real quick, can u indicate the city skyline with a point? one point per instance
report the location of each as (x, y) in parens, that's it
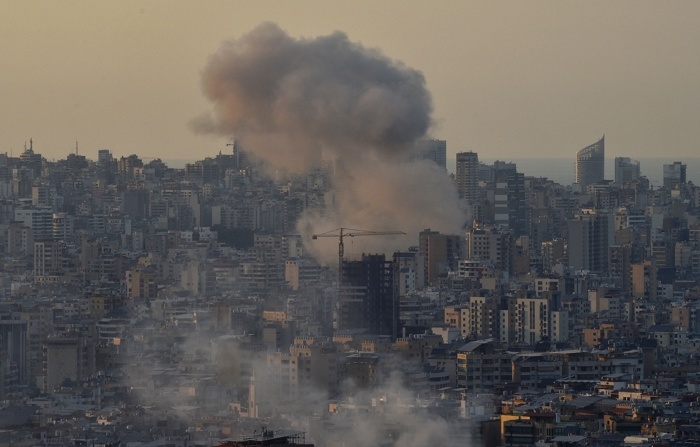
(542, 79)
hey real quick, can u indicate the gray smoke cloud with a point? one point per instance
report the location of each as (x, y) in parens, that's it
(286, 98)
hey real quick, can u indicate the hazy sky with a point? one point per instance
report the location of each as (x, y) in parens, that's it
(508, 79)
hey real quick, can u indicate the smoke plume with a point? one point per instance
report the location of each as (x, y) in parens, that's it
(285, 98)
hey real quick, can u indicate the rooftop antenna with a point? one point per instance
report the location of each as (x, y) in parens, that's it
(76, 147)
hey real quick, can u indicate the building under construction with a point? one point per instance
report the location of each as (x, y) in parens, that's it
(270, 438)
(369, 296)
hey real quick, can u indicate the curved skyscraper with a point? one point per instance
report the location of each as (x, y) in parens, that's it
(590, 164)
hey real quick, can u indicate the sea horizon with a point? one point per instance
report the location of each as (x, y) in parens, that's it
(560, 169)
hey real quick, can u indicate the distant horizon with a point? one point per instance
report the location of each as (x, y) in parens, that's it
(559, 169)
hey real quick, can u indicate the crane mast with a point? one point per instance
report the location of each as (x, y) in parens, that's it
(342, 232)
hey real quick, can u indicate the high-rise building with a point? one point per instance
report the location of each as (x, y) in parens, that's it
(20, 239)
(369, 296)
(531, 320)
(619, 265)
(626, 170)
(493, 244)
(441, 252)
(39, 219)
(674, 174)
(471, 372)
(48, 257)
(14, 345)
(63, 225)
(70, 357)
(104, 157)
(410, 264)
(590, 164)
(433, 150)
(510, 209)
(467, 176)
(480, 317)
(590, 235)
(141, 283)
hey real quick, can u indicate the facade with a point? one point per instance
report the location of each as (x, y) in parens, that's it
(590, 234)
(480, 366)
(619, 265)
(369, 296)
(494, 245)
(480, 317)
(20, 240)
(536, 370)
(411, 267)
(63, 227)
(66, 358)
(590, 164)
(626, 170)
(14, 347)
(441, 252)
(674, 174)
(39, 219)
(313, 364)
(531, 323)
(141, 284)
(510, 210)
(433, 150)
(467, 175)
(301, 272)
(47, 259)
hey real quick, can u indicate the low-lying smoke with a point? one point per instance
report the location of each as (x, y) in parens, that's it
(284, 98)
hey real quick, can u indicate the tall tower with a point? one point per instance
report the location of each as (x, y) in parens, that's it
(441, 252)
(590, 235)
(590, 164)
(626, 170)
(252, 404)
(510, 209)
(674, 174)
(467, 176)
(369, 296)
(433, 150)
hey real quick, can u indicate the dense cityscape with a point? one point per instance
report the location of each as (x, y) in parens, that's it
(144, 305)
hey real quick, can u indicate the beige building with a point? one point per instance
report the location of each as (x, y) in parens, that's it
(140, 284)
(480, 366)
(480, 317)
(301, 272)
(314, 364)
(66, 358)
(531, 320)
(491, 244)
(20, 240)
(453, 316)
(644, 282)
(442, 253)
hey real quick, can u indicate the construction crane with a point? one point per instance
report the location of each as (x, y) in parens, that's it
(340, 233)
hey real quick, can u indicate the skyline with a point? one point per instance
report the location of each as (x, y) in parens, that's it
(542, 79)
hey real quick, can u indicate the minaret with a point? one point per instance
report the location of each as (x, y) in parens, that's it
(252, 405)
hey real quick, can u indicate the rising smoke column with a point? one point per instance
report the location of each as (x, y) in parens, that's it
(283, 98)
